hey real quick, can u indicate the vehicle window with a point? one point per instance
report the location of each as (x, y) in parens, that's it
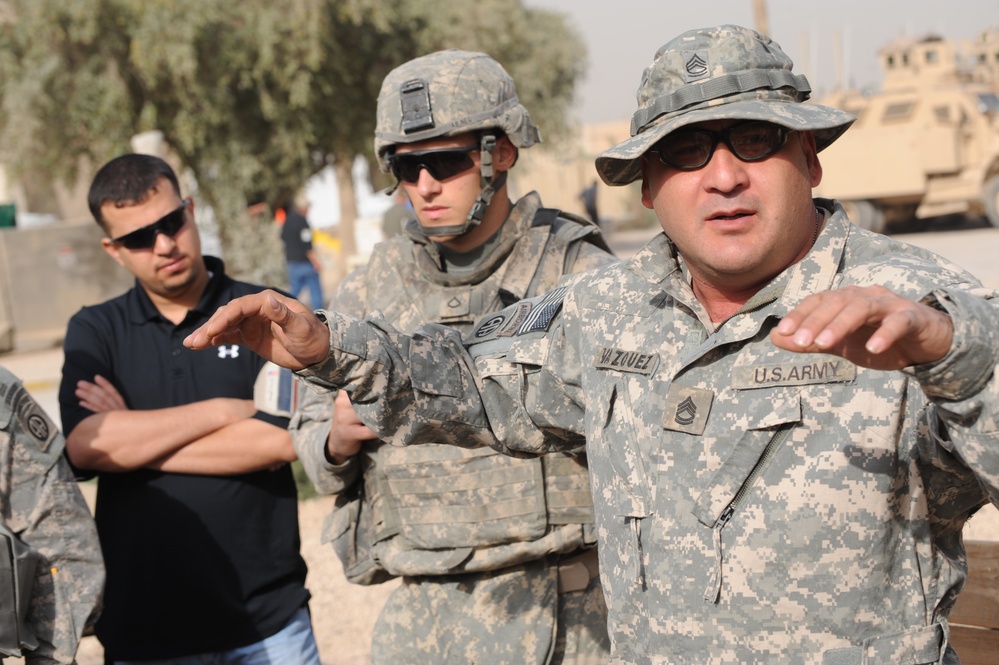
(988, 103)
(897, 111)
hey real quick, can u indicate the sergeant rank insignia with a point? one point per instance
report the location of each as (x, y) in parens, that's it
(687, 409)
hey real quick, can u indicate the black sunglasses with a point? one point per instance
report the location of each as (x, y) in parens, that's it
(691, 149)
(145, 237)
(440, 164)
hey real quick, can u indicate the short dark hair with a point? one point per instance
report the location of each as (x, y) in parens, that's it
(126, 180)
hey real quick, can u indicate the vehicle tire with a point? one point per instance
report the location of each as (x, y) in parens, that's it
(866, 215)
(990, 196)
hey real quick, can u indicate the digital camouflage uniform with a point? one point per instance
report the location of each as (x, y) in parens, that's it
(845, 545)
(752, 504)
(497, 553)
(48, 541)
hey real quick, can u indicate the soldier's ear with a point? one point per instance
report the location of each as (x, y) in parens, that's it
(504, 154)
(647, 198)
(811, 154)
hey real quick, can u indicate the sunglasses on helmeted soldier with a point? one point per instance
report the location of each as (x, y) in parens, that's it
(441, 164)
(145, 237)
(691, 149)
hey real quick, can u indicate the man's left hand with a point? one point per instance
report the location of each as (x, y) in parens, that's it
(869, 326)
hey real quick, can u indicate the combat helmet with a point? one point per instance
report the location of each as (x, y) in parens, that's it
(449, 93)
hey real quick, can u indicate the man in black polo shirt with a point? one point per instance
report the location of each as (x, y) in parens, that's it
(302, 262)
(196, 504)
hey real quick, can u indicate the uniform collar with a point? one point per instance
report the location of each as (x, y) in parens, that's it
(517, 223)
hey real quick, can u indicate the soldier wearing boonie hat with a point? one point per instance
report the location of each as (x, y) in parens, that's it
(720, 73)
(788, 419)
(475, 535)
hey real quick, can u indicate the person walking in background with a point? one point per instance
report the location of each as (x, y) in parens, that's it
(496, 554)
(788, 419)
(51, 570)
(303, 264)
(589, 198)
(395, 218)
(196, 506)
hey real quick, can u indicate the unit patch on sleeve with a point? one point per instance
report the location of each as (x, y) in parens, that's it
(33, 421)
(503, 324)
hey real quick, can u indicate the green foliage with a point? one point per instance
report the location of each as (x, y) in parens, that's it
(253, 96)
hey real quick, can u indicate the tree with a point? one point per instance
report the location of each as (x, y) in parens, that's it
(253, 96)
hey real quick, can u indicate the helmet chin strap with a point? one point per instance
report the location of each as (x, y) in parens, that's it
(489, 186)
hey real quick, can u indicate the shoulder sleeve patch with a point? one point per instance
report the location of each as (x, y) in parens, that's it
(33, 421)
(522, 318)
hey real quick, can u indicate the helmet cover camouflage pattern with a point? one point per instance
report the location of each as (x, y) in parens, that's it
(717, 73)
(445, 94)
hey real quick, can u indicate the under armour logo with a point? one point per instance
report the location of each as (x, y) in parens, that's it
(232, 351)
(696, 66)
(686, 411)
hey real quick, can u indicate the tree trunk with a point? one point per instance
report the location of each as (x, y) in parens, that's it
(250, 244)
(343, 167)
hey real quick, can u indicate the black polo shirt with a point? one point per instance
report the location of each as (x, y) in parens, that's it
(297, 237)
(195, 563)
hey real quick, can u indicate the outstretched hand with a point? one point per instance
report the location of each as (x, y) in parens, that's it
(869, 326)
(276, 327)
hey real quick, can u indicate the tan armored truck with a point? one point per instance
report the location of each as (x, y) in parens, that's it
(927, 145)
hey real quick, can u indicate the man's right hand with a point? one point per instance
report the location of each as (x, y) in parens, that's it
(347, 432)
(276, 327)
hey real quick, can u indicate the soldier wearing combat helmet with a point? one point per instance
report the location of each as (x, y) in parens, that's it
(497, 554)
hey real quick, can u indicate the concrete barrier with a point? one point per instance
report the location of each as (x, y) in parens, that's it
(47, 273)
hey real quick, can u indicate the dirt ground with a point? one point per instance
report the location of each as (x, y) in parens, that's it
(344, 614)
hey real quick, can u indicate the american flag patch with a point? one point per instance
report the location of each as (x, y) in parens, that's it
(543, 312)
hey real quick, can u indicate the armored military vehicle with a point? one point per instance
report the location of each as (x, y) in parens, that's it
(927, 145)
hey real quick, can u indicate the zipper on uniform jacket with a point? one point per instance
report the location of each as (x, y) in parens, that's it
(713, 590)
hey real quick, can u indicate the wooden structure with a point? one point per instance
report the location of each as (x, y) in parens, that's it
(974, 621)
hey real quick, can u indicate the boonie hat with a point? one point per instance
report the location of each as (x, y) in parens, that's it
(724, 72)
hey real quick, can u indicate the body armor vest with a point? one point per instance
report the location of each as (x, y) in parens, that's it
(436, 509)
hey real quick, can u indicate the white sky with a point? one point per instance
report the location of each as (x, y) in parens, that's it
(621, 37)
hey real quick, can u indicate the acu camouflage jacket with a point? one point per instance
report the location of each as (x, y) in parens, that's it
(439, 509)
(752, 505)
(51, 569)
